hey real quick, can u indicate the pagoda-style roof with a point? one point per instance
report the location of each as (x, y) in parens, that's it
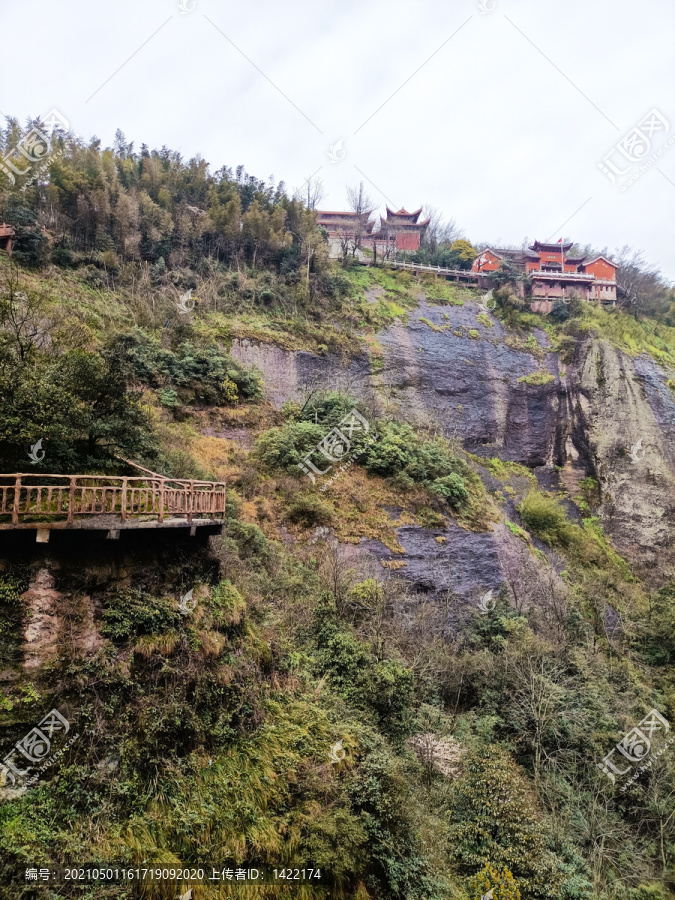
(344, 218)
(504, 253)
(341, 214)
(404, 215)
(551, 248)
(409, 222)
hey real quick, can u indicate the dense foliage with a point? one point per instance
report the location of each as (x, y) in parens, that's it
(306, 711)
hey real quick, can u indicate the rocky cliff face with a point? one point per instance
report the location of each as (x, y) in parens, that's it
(620, 414)
(448, 370)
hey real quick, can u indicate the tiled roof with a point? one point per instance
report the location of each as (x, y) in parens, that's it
(542, 245)
(404, 214)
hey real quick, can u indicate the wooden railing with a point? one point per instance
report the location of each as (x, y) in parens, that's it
(26, 496)
(438, 270)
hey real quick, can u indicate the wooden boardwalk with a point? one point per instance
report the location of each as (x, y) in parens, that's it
(46, 502)
(457, 274)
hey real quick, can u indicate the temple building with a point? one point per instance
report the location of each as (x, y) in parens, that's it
(344, 228)
(400, 230)
(404, 228)
(6, 235)
(553, 274)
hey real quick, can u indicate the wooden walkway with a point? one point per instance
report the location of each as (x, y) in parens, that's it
(46, 502)
(437, 270)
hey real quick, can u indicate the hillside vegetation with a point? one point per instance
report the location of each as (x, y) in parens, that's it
(469, 739)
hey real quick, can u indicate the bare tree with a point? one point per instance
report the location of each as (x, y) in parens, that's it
(439, 231)
(312, 192)
(21, 313)
(345, 237)
(538, 697)
(359, 201)
(641, 288)
(335, 573)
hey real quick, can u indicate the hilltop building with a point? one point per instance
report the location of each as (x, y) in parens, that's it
(6, 235)
(344, 228)
(400, 230)
(403, 229)
(553, 274)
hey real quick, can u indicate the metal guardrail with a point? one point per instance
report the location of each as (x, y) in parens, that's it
(25, 496)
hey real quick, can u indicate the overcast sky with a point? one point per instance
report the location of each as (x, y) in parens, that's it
(501, 117)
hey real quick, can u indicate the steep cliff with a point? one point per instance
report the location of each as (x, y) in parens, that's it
(459, 372)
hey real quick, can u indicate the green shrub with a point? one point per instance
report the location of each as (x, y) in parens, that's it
(559, 312)
(130, 613)
(382, 687)
(451, 488)
(394, 451)
(327, 409)
(399, 449)
(11, 617)
(168, 398)
(544, 516)
(500, 885)
(494, 820)
(309, 510)
(284, 448)
(537, 378)
(227, 605)
(207, 374)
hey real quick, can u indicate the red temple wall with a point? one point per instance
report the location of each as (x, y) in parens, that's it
(601, 269)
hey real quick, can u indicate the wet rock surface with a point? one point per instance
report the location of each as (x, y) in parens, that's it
(468, 388)
(582, 423)
(292, 375)
(622, 420)
(44, 621)
(466, 562)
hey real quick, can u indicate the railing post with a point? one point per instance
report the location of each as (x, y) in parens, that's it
(17, 495)
(192, 492)
(161, 500)
(71, 498)
(123, 510)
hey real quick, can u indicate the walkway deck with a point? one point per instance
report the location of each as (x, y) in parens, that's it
(437, 270)
(111, 503)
